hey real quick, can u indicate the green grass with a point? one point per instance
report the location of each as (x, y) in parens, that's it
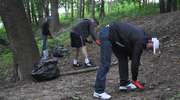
(3, 34)
(62, 39)
(129, 10)
(5, 62)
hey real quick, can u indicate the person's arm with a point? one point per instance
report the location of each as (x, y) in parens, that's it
(92, 31)
(94, 34)
(136, 54)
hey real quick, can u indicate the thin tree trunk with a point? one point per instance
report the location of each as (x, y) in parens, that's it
(162, 6)
(88, 6)
(174, 4)
(40, 11)
(169, 5)
(102, 12)
(83, 8)
(33, 13)
(93, 8)
(66, 8)
(80, 8)
(20, 36)
(72, 9)
(46, 8)
(27, 9)
(55, 24)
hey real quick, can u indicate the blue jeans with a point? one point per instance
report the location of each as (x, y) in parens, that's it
(105, 54)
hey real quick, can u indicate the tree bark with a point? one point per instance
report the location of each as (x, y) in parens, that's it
(80, 8)
(20, 36)
(33, 13)
(72, 9)
(102, 12)
(162, 6)
(83, 9)
(27, 9)
(174, 4)
(40, 10)
(54, 24)
(93, 8)
(46, 8)
(169, 6)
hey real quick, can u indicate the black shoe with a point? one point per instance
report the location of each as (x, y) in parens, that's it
(90, 64)
(77, 65)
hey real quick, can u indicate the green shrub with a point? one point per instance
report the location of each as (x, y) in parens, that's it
(5, 62)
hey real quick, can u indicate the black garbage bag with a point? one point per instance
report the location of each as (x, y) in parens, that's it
(45, 70)
(60, 52)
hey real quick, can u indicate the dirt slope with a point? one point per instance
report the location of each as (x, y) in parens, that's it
(161, 73)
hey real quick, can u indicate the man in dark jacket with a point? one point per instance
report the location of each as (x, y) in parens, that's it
(79, 35)
(127, 42)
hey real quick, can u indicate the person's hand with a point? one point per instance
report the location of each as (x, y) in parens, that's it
(98, 42)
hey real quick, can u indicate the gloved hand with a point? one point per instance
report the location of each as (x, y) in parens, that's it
(98, 42)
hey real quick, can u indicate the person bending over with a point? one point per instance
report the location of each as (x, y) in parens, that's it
(78, 35)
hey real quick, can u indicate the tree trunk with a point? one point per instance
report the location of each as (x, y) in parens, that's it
(88, 3)
(93, 8)
(40, 11)
(102, 12)
(169, 5)
(46, 8)
(20, 36)
(66, 8)
(72, 9)
(55, 24)
(27, 9)
(162, 6)
(33, 13)
(80, 8)
(174, 5)
(83, 8)
(110, 6)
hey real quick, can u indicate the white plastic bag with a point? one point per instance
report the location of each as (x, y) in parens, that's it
(155, 44)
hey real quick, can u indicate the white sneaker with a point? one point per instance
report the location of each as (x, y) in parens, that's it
(130, 87)
(103, 95)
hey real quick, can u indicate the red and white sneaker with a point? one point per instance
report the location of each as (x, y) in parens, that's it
(128, 87)
(138, 84)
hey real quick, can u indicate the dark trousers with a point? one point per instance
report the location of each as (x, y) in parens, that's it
(123, 55)
(44, 42)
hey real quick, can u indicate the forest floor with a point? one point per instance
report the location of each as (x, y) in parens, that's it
(161, 73)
